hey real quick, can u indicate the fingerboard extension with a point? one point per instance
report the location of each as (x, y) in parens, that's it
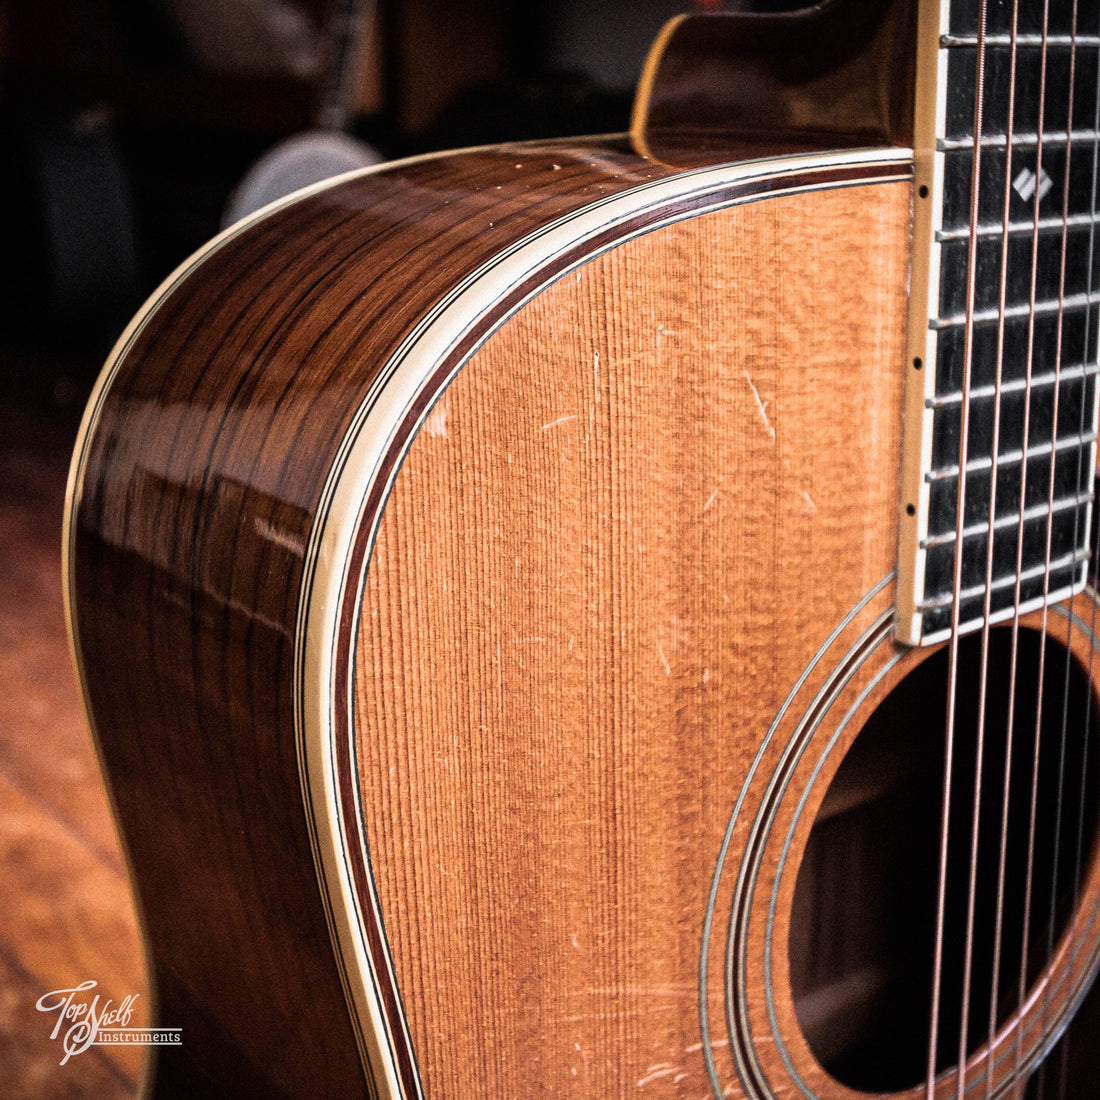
(1003, 318)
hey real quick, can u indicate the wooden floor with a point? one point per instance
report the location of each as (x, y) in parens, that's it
(66, 914)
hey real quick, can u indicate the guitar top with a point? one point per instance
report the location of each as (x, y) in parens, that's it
(484, 579)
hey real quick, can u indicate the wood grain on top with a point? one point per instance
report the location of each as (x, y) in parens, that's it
(619, 538)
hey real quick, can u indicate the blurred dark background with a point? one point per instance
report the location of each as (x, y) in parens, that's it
(127, 125)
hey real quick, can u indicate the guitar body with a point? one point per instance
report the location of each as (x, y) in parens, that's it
(481, 570)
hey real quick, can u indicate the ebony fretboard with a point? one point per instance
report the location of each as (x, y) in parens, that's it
(1032, 316)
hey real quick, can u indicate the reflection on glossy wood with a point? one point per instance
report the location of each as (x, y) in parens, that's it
(837, 74)
(195, 483)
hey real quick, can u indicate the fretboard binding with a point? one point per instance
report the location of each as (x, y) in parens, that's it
(1036, 511)
(1016, 385)
(1074, 301)
(1067, 561)
(1016, 229)
(1021, 141)
(1026, 41)
(1013, 458)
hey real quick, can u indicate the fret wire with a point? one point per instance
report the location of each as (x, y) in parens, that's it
(1036, 511)
(1066, 561)
(1024, 41)
(1074, 221)
(1019, 141)
(1015, 385)
(1004, 612)
(1012, 458)
(1075, 301)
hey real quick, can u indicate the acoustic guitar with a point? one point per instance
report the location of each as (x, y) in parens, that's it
(615, 617)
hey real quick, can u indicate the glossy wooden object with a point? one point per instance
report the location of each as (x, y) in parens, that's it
(837, 74)
(597, 577)
(570, 644)
(193, 502)
(459, 557)
(194, 489)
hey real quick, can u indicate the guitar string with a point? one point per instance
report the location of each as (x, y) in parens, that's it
(968, 363)
(956, 602)
(983, 671)
(983, 675)
(1002, 856)
(1056, 842)
(1088, 352)
(1040, 670)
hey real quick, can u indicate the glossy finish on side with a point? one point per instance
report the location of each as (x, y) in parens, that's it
(205, 452)
(836, 75)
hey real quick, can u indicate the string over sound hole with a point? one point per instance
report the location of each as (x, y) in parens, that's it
(863, 926)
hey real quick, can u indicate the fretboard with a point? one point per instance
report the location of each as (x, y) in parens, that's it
(1003, 318)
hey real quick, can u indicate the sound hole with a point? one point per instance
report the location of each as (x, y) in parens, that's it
(862, 929)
